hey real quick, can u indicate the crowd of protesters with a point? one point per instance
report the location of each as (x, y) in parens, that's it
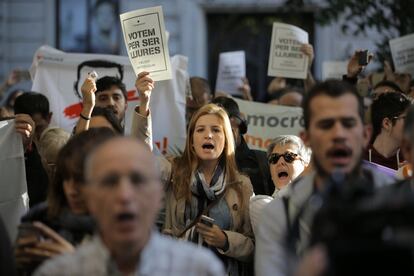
(104, 204)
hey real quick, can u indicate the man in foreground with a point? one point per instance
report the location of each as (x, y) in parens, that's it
(334, 130)
(123, 193)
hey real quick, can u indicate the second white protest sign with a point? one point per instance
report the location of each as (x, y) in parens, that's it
(146, 43)
(285, 58)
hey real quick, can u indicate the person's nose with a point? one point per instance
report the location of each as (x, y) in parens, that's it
(281, 161)
(111, 101)
(338, 131)
(209, 134)
(73, 188)
(125, 191)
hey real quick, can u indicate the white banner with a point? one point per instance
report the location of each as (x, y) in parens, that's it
(230, 73)
(146, 42)
(266, 121)
(285, 57)
(402, 50)
(58, 75)
(13, 186)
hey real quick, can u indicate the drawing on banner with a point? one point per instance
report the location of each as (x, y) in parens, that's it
(57, 74)
(402, 51)
(146, 42)
(231, 71)
(94, 64)
(285, 57)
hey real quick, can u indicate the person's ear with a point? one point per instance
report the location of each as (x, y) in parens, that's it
(49, 117)
(386, 124)
(304, 135)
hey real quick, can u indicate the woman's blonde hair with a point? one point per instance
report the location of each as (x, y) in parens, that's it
(184, 166)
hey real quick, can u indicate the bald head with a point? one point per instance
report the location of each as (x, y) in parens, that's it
(120, 150)
(123, 193)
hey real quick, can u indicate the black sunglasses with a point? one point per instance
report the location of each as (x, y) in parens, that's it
(288, 156)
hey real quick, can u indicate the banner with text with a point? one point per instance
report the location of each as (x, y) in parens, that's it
(402, 51)
(59, 76)
(285, 57)
(266, 121)
(146, 42)
(231, 71)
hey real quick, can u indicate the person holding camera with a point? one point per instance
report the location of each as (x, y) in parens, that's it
(205, 181)
(334, 130)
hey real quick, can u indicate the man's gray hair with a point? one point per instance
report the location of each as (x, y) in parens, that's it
(409, 124)
(303, 151)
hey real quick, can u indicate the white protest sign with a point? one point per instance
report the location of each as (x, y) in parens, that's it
(55, 72)
(146, 42)
(266, 121)
(13, 187)
(402, 50)
(231, 71)
(285, 57)
(333, 69)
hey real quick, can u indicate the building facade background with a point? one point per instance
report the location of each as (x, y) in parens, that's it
(28, 24)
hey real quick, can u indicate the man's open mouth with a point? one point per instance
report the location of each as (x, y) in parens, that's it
(340, 152)
(125, 217)
(340, 156)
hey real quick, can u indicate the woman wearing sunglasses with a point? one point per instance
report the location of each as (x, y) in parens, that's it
(288, 157)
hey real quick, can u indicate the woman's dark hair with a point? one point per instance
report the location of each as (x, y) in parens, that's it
(388, 83)
(70, 163)
(32, 103)
(389, 105)
(109, 116)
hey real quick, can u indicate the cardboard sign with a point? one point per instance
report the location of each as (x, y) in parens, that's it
(59, 75)
(285, 58)
(266, 121)
(333, 69)
(146, 42)
(231, 71)
(402, 51)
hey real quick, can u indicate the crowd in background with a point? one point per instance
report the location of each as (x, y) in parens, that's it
(104, 204)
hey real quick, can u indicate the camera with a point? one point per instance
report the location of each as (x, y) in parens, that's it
(363, 57)
(366, 231)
